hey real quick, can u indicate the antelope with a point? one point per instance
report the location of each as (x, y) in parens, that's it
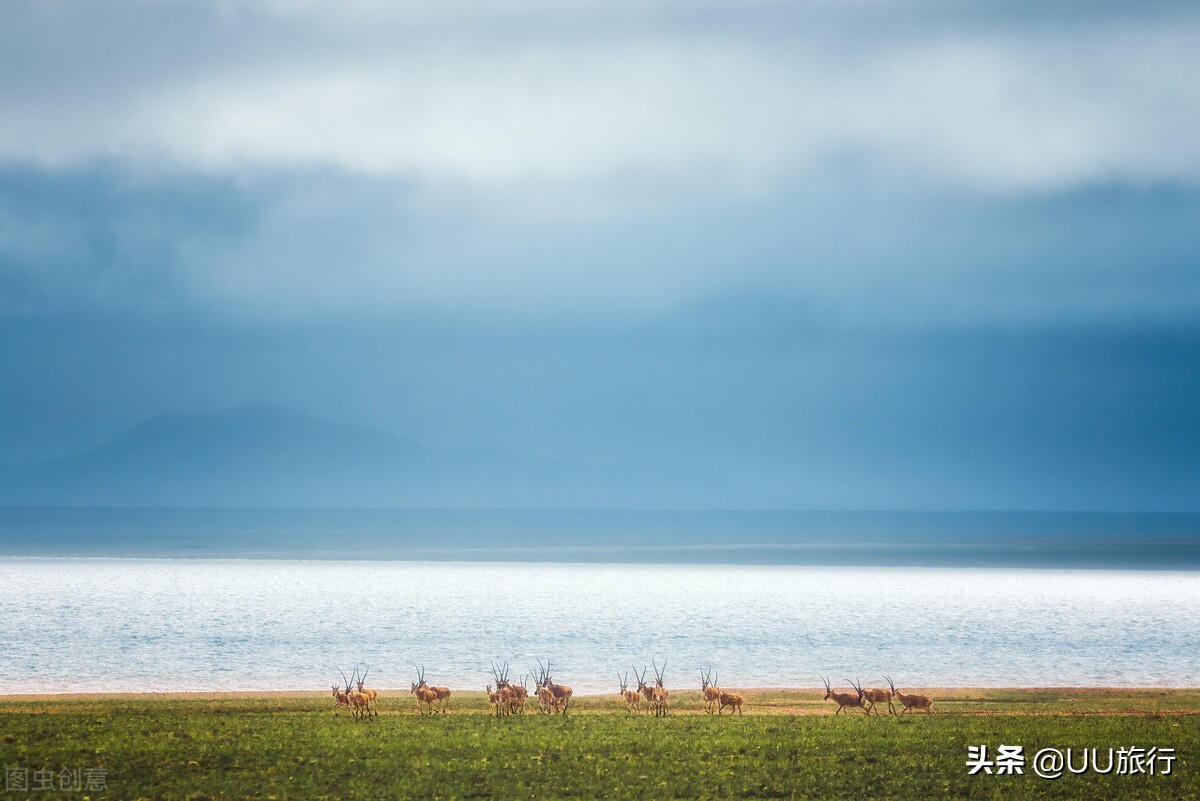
(516, 695)
(709, 690)
(520, 694)
(372, 696)
(560, 694)
(911, 702)
(844, 700)
(341, 697)
(731, 700)
(359, 702)
(661, 701)
(424, 693)
(646, 690)
(442, 694)
(545, 699)
(874, 697)
(498, 698)
(633, 699)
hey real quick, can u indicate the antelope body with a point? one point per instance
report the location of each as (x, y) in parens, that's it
(632, 698)
(661, 694)
(874, 697)
(646, 690)
(708, 689)
(372, 696)
(514, 695)
(498, 699)
(914, 701)
(340, 699)
(428, 695)
(731, 700)
(844, 700)
(559, 695)
(360, 705)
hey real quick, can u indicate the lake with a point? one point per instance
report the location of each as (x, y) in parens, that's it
(115, 624)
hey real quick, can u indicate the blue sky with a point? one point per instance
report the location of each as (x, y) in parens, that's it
(853, 254)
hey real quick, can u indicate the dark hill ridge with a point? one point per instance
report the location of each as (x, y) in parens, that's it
(267, 455)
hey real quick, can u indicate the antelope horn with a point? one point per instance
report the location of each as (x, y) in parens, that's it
(365, 672)
(344, 678)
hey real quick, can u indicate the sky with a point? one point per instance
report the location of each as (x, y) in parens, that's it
(856, 255)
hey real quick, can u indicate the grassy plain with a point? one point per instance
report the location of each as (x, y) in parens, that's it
(788, 745)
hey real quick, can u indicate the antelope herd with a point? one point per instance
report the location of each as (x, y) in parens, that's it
(507, 698)
(867, 699)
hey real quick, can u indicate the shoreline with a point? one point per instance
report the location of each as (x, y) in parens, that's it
(947, 693)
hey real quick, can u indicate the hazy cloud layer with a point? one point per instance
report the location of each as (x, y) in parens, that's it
(524, 94)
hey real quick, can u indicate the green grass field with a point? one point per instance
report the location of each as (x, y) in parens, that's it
(786, 746)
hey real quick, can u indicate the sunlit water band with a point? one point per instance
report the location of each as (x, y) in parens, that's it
(90, 625)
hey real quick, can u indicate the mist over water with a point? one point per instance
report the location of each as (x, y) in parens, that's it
(80, 625)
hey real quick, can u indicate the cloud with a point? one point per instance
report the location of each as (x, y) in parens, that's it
(866, 162)
(526, 95)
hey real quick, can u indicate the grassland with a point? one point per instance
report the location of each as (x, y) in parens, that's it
(786, 746)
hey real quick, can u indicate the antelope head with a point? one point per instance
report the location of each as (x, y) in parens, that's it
(420, 679)
(641, 679)
(359, 681)
(658, 674)
(828, 691)
(857, 688)
(890, 684)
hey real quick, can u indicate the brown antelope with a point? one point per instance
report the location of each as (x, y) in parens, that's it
(498, 699)
(728, 699)
(560, 694)
(545, 698)
(645, 690)
(911, 702)
(341, 697)
(520, 694)
(360, 703)
(874, 697)
(661, 700)
(843, 700)
(372, 696)
(709, 690)
(633, 699)
(442, 694)
(423, 692)
(515, 694)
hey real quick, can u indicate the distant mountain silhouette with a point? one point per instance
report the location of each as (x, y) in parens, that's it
(266, 455)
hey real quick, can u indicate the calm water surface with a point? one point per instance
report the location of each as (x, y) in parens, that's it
(162, 624)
